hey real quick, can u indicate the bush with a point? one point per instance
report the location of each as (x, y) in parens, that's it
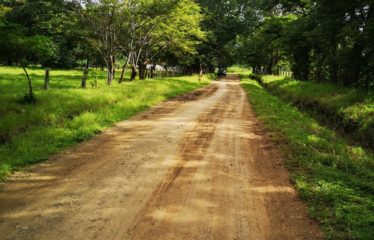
(256, 77)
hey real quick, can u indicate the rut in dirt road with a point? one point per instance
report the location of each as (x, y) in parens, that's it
(196, 167)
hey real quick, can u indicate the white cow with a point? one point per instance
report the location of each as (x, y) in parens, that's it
(157, 68)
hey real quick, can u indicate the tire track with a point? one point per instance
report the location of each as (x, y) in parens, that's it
(193, 147)
(197, 167)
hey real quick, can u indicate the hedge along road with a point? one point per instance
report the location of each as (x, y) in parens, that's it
(196, 167)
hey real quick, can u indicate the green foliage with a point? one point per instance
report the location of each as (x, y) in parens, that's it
(347, 109)
(329, 41)
(3, 11)
(108, 32)
(56, 20)
(141, 32)
(335, 178)
(223, 21)
(263, 50)
(17, 44)
(180, 34)
(67, 114)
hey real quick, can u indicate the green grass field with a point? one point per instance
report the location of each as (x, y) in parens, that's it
(347, 109)
(238, 69)
(67, 114)
(335, 179)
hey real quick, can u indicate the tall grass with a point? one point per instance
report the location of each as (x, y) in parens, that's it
(335, 179)
(348, 109)
(67, 114)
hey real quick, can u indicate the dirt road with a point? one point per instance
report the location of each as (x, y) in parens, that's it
(197, 167)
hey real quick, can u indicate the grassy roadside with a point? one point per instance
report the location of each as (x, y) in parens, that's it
(335, 179)
(67, 114)
(347, 109)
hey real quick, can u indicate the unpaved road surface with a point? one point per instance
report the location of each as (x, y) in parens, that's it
(197, 167)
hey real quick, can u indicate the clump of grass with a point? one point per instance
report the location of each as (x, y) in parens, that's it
(348, 109)
(335, 178)
(67, 114)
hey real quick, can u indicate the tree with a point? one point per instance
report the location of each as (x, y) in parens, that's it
(15, 45)
(102, 18)
(329, 41)
(56, 19)
(156, 27)
(223, 21)
(263, 49)
(178, 35)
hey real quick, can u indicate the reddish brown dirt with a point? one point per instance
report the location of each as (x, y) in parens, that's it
(197, 167)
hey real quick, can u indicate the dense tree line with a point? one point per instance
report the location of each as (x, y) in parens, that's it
(198, 35)
(105, 33)
(326, 40)
(224, 21)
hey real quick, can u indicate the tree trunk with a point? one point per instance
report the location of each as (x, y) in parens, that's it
(110, 76)
(211, 69)
(110, 73)
(142, 67)
(334, 72)
(122, 73)
(356, 65)
(111, 61)
(46, 79)
(141, 72)
(30, 97)
(301, 66)
(133, 73)
(153, 70)
(85, 75)
(269, 68)
(84, 78)
(113, 67)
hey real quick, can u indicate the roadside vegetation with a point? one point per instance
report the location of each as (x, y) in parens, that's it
(350, 110)
(335, 178)
(325, 41)
(105, 45)
(67, 114)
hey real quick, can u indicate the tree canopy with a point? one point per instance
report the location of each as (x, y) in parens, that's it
(326, 41)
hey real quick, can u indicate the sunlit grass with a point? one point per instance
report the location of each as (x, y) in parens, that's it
(336, 179)
(349, 109)
(238, 69)
(67, 114)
